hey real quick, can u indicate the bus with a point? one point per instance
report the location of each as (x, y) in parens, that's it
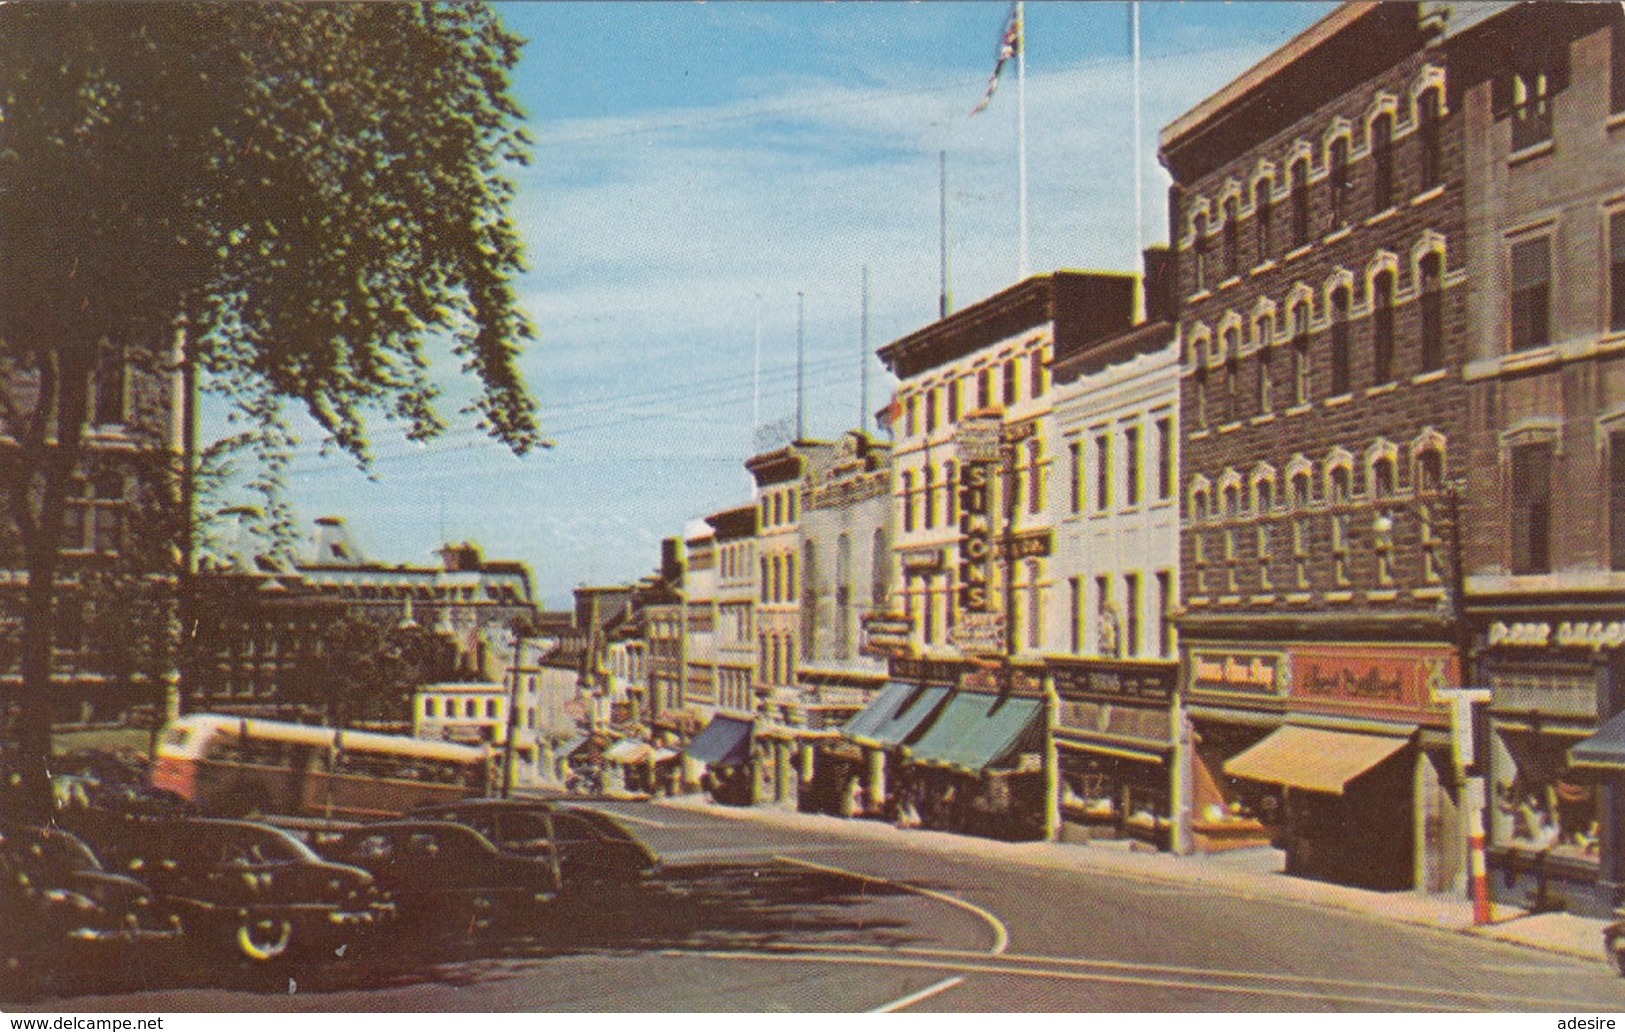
(236, 766)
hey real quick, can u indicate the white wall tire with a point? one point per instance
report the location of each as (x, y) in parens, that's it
(264, 939)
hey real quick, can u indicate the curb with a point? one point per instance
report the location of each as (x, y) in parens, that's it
(1234, 883)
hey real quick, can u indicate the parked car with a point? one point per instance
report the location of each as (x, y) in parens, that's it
(253, 886)
(591, 847)
(63, 911)
(447, 874)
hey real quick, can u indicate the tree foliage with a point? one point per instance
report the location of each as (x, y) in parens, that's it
(314, 196)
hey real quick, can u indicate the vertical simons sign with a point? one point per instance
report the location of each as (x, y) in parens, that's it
(975, 537)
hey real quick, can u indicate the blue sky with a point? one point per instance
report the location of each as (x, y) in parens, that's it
(698, 165)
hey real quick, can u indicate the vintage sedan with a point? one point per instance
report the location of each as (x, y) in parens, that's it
(447, 876)
(63, 911)
(592, 848)
(253, 886)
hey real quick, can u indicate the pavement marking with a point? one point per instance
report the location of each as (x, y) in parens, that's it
(767, 852)
(983, 967)
(970, 956)
(924, 994)
(1001, 934)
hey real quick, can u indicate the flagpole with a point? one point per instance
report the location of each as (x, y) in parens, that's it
(1021, 126)
(945, 301)
(1139, 193)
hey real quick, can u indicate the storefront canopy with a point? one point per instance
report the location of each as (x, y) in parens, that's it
(1313, 759)
(629, 752)
(975, 732)
(574, 745)
(897, 712)
(725, 742)
(1604, 750)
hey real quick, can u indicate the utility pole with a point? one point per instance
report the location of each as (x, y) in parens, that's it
(945, 301)
(512, 757)
(863, 357)
(801, 366)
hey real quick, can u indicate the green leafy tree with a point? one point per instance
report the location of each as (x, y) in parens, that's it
(309, 198)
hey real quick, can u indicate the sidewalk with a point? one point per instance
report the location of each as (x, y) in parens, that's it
(1244, 873)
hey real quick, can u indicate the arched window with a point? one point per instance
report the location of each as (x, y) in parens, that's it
(1427, 137)
(1339, 181)
(1382, 162)
(1432, 312)
(1300, 203)
(1429, 476)
(1300, 354)
(908, 501)
(1261, 218)
(1338, 485)
(1340, 341)
(1199, 248)
(1382, 328)
(928, 493)
(1232, 236)
(1199, 385)
(1382, 478)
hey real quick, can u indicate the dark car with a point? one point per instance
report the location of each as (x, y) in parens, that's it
(447, 874)
(591, 847)
(248, 884)
(62, 910)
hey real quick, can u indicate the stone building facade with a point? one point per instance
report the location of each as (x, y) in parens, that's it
(1317, 213)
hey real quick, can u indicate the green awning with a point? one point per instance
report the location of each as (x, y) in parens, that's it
(975, 732)
(896, 715)
(1604, 750)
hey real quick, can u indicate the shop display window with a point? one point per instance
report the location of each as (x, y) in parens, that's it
(1540, 804)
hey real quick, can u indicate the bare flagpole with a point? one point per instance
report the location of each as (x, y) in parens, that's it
(863, 358)
(1139, 192)
(1021, 125)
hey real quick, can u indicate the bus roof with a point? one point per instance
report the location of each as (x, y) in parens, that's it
(305, 734)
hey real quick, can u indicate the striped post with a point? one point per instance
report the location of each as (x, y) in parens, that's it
(1481, 880)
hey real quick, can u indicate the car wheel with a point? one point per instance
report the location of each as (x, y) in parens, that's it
(263, 939)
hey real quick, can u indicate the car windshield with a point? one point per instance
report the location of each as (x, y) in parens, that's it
(265, 845)
(65, 852)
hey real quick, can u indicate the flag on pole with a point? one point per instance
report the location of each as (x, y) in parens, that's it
(1008, 46)
(892, 414)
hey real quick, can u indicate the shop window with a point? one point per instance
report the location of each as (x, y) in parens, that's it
(1232, 237)
(1531, 507)
(1616, 500)
(1382, 162)
(1009, 382)
(1616, 271)
(1340, 342)
(1382, 328)
(1540, 804)
(1300, 203)
(1131, 465)
(1338, 181)
(1166, 469)
(1428, 137)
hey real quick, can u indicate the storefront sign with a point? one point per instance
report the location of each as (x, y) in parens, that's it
(921, 560)
(1029, 544)
(926, 671)
(977, 439)
(1139, 724)
(979, 633)
(1240, 673)
(1382, 681)
(975, 538)
(997, 680)
(1595, 635)
(1111, 680)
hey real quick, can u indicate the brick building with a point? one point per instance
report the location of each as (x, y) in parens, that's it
(1317, 212)
(1541, 93)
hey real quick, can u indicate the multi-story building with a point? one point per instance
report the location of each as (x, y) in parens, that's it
(1116, 422)
(1322, 293)
(780, 477)
(974, 512)
(1541, 96)
(699, 628)
(113, 613)
(846, 564)
(737, 588)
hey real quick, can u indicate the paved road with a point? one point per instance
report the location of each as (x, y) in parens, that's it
(753, 917)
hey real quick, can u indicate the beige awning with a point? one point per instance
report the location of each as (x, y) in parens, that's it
(1313, 759)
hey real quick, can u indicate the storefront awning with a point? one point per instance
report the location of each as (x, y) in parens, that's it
(1604, 750)
(899, 711)
(974, 732)
(629, 752)
(725, 741)
(1313, 759)
(573, 746)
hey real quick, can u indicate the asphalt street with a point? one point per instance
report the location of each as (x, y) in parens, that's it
(748, 916)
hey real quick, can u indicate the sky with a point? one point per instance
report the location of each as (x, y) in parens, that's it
(703, 172)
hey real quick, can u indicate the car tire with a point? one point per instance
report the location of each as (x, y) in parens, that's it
(264, 939)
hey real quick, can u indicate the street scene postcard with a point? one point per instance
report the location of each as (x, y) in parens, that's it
(749, 507)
